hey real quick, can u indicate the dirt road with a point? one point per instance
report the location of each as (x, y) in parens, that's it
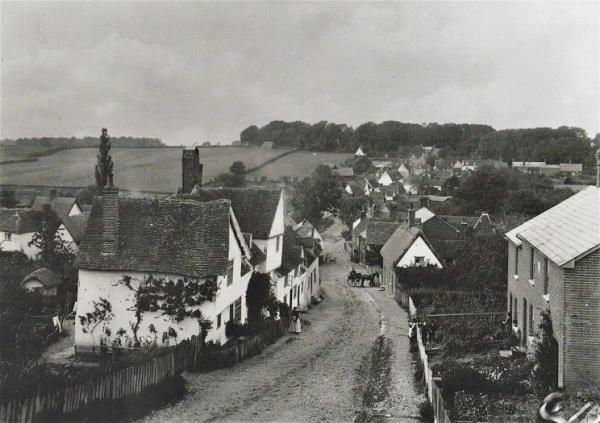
(351, 364)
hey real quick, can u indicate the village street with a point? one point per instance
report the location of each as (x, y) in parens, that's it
(338, 369)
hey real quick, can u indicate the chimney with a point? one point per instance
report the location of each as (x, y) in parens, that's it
(411, 216)
(110, 217)
(52, 194)
(464, 228)
(424, 201)
(191, 170)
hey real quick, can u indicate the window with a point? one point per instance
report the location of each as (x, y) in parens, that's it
(277, 244)
(516, 310)
(530, 320)
(525, 325)
(516, 260)
(285, 281)
(7, 236)
(546, 276)
(231, 312)
(230, 272)
(218, 320)
(419, 261)
(510, 302)
(531, 267)
(238, 310)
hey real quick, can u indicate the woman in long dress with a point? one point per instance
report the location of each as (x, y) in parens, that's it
(296, 323)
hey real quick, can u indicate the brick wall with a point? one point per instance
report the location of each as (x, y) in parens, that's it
(582, 318)
(110, 219)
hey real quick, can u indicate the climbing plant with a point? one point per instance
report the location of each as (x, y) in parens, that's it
(100, 315)
(177, 299)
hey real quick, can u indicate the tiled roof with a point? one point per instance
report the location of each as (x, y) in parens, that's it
(306, 230)
(291, 254)
(399, 242)
(169, 236)
(379, 232)
(362, 225)
(20, 221)
(258, 255)
(457, 221)
(567, 231)
(254, 208)
(60, 205)
(447, 249)
(76, 225)
(45, 276)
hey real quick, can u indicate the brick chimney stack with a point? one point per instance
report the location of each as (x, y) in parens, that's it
(110, 217)
(191, 170)
(411, 216)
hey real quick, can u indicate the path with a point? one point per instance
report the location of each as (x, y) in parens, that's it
(338, 370)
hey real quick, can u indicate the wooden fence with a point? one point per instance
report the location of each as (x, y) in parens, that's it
(243, 349)
(133, 380)
(433, 391)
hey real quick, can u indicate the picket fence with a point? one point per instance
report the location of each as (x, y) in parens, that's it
(133, 380)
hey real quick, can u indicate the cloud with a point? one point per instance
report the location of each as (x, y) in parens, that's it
(189, 72)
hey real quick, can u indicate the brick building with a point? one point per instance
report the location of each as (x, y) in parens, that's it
(554, 264)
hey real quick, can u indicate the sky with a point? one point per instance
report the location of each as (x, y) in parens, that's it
(190, 72)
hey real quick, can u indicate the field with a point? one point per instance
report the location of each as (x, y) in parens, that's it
(143, 169)
(299, 164)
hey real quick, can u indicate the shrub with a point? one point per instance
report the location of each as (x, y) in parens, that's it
(426, 411)
(232, 328)
(284, 310)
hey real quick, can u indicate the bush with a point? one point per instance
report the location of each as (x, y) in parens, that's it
(284, 310)
(232, 328)
(426, 411)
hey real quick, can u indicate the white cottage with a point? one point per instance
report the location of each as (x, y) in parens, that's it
(17, 227)
(174, 240)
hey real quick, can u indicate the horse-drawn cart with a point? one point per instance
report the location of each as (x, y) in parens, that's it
(357, 279)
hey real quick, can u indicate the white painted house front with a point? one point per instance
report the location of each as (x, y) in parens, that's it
(166, 239)
(385, 179)
(17, 227)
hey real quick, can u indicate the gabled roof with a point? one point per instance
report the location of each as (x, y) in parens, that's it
(291, 253)
(258, 255)
(45, 276)
(571, 167)
(169, 236)
(307, 230)
(400, 240)
(360, 227)
(254, 208)
(424, 214)
(20, 221)
(60, 205)
(76, 224)
(457, 221)
(378, 232)
(568, 231)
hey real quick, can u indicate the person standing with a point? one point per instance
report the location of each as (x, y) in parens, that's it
(296, 323)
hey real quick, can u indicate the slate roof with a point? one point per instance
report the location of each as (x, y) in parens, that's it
(168, 236)
(76, 225)
(447, 249)
(20, 221)
(254, 208)
(457, 221)
(45, 276)
(60, 205)
(379, 232)
(565, 232)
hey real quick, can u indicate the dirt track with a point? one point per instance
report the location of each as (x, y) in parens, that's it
(339, 369)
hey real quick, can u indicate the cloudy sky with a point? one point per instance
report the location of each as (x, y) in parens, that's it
(191, 72)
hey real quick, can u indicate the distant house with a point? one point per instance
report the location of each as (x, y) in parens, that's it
(359, 152)
(403, 171)
(554, 264)
(528, 167)
(345, 173)
(17, 227)
(268, 145)
(407, 246)
(371, 186)
(571, 169)
(43, 280)
(368, 237)
(550, 170)
(72, 229)
(306, 231)
(380, 164)
(62, 206)
(389, 177)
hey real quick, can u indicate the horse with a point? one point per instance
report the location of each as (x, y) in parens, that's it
(370, 278)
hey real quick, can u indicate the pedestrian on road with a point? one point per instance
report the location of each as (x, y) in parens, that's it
(296, 323)
(411, 328)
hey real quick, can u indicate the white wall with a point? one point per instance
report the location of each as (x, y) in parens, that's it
(419, 248)
(18, 242)
(277, 229)
(94, 284)
(385, 179)
(75, 210)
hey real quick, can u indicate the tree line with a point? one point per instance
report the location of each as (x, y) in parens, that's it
(73, 142)
(462, 140)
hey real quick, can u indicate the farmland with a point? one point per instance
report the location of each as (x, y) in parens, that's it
(298, 164)
(144, 169)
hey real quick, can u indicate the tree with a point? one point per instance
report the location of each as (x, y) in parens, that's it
(7, 198)
(86, 195)
(362, 165)
(316, 194)
(546, 355)
(104, 166)
(451, 185)
(484, 190)
(250, 136)
(351, 208)
(237, 168)
(230, 180)
(257, 295)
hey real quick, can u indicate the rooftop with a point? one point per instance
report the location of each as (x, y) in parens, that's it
(76, 225)
(567, 231)
(20, 221)
(45, 276)
(60, 205)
